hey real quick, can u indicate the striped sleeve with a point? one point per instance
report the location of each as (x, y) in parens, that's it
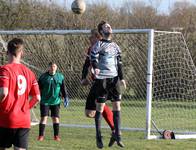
(94, 55)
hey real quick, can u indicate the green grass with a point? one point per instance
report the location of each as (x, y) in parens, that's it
(133, 116)
(84, 139)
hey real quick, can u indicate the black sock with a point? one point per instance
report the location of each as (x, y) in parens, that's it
(41, 129)
(98, 117)
(56, 129)
(117, 122)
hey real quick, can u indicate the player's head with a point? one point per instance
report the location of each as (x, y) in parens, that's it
(52, 68)
(104, 29)
(15, 47)
(94, 36)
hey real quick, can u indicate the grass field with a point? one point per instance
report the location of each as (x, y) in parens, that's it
(84, 139)
(133, 115)
(173, 116)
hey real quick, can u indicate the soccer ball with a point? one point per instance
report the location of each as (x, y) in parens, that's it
(78, 6)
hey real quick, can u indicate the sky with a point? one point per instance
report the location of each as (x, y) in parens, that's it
(163, 5)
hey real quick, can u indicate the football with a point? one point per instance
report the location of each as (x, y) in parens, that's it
(78, 6)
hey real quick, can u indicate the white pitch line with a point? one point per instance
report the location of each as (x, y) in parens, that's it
(43, 147)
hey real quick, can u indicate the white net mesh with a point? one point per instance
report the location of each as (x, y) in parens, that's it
(34, 118)
(174, 84)
(173, 105)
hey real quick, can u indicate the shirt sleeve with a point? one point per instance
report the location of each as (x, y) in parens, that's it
(94, 55)
(64, 89)
(35, 87)
(119, 64)
(85, 68)
(40, 81)
(4, 77)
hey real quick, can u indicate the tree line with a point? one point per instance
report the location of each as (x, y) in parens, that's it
(35, 14)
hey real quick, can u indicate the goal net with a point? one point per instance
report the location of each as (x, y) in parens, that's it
(34, 118)
(158, 69)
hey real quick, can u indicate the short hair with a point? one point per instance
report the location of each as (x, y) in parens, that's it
(99, 27)
(51, 63)
(14, 45)
(96, 33)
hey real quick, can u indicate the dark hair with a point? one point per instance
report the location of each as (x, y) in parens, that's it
(96, 33)
(14, 45)
(99, 27)
(51, 63)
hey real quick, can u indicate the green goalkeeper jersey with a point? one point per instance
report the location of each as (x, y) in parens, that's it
(50, 87)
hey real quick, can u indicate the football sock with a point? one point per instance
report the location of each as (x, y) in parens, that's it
(56, 129)
(108, 116)
(98, 123)
(41, 129)
(117, 122)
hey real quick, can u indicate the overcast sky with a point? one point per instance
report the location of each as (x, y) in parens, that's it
(164, 5)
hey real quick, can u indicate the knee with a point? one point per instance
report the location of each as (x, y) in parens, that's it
(116, 106)
(43, 120)
(55, 119)
(90, 114)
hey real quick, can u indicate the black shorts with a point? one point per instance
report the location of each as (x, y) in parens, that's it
(47, 109)
(107, 89)
(91, 98)
(17, 137)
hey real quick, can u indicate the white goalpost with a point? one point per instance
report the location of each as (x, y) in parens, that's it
(34, 119)
(178, 77)
(158, 68)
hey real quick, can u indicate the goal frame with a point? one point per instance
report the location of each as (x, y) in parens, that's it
(149, 90)
(149, 74)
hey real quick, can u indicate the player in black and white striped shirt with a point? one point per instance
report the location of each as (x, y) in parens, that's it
(106, 61)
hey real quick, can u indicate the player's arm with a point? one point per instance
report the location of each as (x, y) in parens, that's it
(94, 55)
(64, 94)
(64, 89)
(4, 83)
(85, 68)
(35, 94)
(40, 81)
(120, 68)
(3, 93)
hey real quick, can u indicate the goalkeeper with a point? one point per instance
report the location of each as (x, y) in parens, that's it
(90, 108)
(52, 88)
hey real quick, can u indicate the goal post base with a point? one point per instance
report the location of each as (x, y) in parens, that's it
(34, 123)
(34, 119)
(177, 136)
